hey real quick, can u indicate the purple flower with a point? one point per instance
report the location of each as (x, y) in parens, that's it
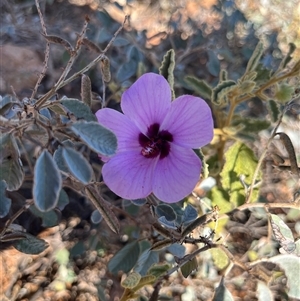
(156, 137)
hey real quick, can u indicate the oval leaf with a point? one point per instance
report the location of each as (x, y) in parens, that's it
(97, 137)
(31, 244)
(189, 267)
(131, 280)
(240, 160)
(166, 211)
(59, 160)
(125, 259)
(79, 109)
(47, 182)
(96, 217)
(78, 165)
(146, 260)
(177, 250)
(139, 202)
(189, 215)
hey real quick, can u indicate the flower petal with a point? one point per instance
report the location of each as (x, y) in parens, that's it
(147, 101)
(129, 175)
(176, 175)
(189, 121)
(126, 131)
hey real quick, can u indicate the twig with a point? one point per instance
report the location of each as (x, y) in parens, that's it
(47, 51)
(16, 215)
(294, 205)
(61, 84)
(262, 157)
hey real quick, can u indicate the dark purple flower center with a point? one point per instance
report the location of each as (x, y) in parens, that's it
(155, 142)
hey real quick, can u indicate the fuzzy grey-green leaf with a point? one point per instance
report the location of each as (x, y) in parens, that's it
(97, 137)
(256, 55)
(125, 259)
(31, 244)
(146, 260)
(79, 109)
(167, 69)
(77, 165)
(47, 182)
(201, 87)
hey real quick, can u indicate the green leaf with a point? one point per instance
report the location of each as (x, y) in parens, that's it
(220, 258)
(31, 244)
(79, 109)
(222, 293)
(127, 70)
(256, 55)
(97, 137)
(166, 211)
(284, 93)
(159, 269)
(47, 182)
(58, 158)
(219, 93)
(5, 202)
(290, 264)
(49, 219)
(201, 87)
(240, 160)
(223, 76)
(96, 217)
(132, 280)
(146, 260)
(11, 166)
(145, 280)
(63, 200)
(263, 74)
(221, 198)
(189, 215)
(125, 259)
(213, 64)
(287, 58)
(166, 69)
(189, 267)
(273, 109)
(177, 250)
(78, 165)
(139, 202)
